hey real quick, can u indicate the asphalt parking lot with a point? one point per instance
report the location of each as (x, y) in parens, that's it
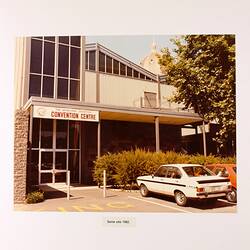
(92, 200)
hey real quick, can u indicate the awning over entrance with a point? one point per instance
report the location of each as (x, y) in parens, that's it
(110, 112)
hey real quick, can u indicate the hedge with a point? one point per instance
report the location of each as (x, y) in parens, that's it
(124, 167)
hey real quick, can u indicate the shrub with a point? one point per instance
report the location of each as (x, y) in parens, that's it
(35, 197)
(123, 168)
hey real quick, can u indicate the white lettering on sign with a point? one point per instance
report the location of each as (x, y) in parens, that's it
(65, 114)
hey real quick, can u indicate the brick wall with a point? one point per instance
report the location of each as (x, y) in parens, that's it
(20, 154)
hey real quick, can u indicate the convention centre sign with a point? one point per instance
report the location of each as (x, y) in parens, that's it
(65, 114)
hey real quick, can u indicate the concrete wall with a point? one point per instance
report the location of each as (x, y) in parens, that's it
(168, 91)
(22, 64)
(90, 87)
(20, 154)
(123, 91)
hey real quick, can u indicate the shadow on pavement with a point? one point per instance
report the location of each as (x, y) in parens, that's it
(200, 204)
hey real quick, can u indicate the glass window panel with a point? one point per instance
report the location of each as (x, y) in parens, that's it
(60, 177)
(74, 90)
(46, 160)
(36, 56)
(64, 39)
(49, 58)
(115, 67)
(35, 132)
(63, 64)
(122, 69)
(108, 64)
(46, 133)
(74, 165)
(35, 85)
(46, 178)
(75, 63)
(62, 88)
(48, 86)
(34, 167)
(86, 60)
(147, 78)
(49, 38)
(142, 76)
(136, 74)
(129, 71)
(61, 159)
(91, 60)
(74, 132)
(61, 133)
(75, 40)
(101, 62)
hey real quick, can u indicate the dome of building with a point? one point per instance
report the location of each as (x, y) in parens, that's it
(150, 62)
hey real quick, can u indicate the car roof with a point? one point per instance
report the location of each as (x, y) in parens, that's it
(181, 165)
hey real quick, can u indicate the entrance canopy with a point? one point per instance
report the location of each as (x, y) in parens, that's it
(111, 112)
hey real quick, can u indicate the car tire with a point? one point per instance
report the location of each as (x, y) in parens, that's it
(180, 198)
(232, 196)
(144, 190)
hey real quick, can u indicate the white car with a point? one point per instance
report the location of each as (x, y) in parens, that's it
(184, 181)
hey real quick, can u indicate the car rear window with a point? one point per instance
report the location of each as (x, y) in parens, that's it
(194, 171)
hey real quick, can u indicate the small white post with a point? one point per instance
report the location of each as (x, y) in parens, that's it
(204, 139)
(68, 185)
(104, 183)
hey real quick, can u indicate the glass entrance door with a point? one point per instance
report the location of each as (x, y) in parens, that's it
(57, 147)
(53, 166)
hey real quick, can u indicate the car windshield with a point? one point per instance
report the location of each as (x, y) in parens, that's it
(194, 171)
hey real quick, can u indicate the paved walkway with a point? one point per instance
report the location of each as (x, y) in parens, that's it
(92, 200)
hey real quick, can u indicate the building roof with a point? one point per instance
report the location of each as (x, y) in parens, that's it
(153, 76)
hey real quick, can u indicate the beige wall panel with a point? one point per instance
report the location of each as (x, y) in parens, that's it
(124, 91)
(167, 92)
(90, 87)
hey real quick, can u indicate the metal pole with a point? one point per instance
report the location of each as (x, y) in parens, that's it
(104, 183)
(204, 139)
(157, 134)
(68, 184)
(99, 139)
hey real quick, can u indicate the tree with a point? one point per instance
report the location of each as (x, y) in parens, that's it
(203, 71)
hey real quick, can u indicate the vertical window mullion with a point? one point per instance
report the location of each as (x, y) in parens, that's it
(69, 74)
(42, 68)
(56, 66)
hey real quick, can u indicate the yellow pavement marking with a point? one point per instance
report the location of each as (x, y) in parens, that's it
(40, 209)
(119, 205)
(61, 209)
(78, 208)
(159, 204)
(92, 207)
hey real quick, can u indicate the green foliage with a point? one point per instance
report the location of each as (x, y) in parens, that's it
(123, 168)
(203, 71)
(35, 197)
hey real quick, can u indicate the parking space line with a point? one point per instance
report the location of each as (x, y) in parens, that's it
(61, 209)
(227, 202)
(159, 204)
(77, 208)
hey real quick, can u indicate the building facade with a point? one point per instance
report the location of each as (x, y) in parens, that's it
(76, 101)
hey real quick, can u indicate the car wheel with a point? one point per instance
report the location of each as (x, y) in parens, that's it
(144, 191)
(180, 198)
(232, 196)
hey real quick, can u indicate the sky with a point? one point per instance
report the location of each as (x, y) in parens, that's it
(132, 47)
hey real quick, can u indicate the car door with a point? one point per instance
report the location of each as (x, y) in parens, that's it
(172, 180)
(158, 180)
